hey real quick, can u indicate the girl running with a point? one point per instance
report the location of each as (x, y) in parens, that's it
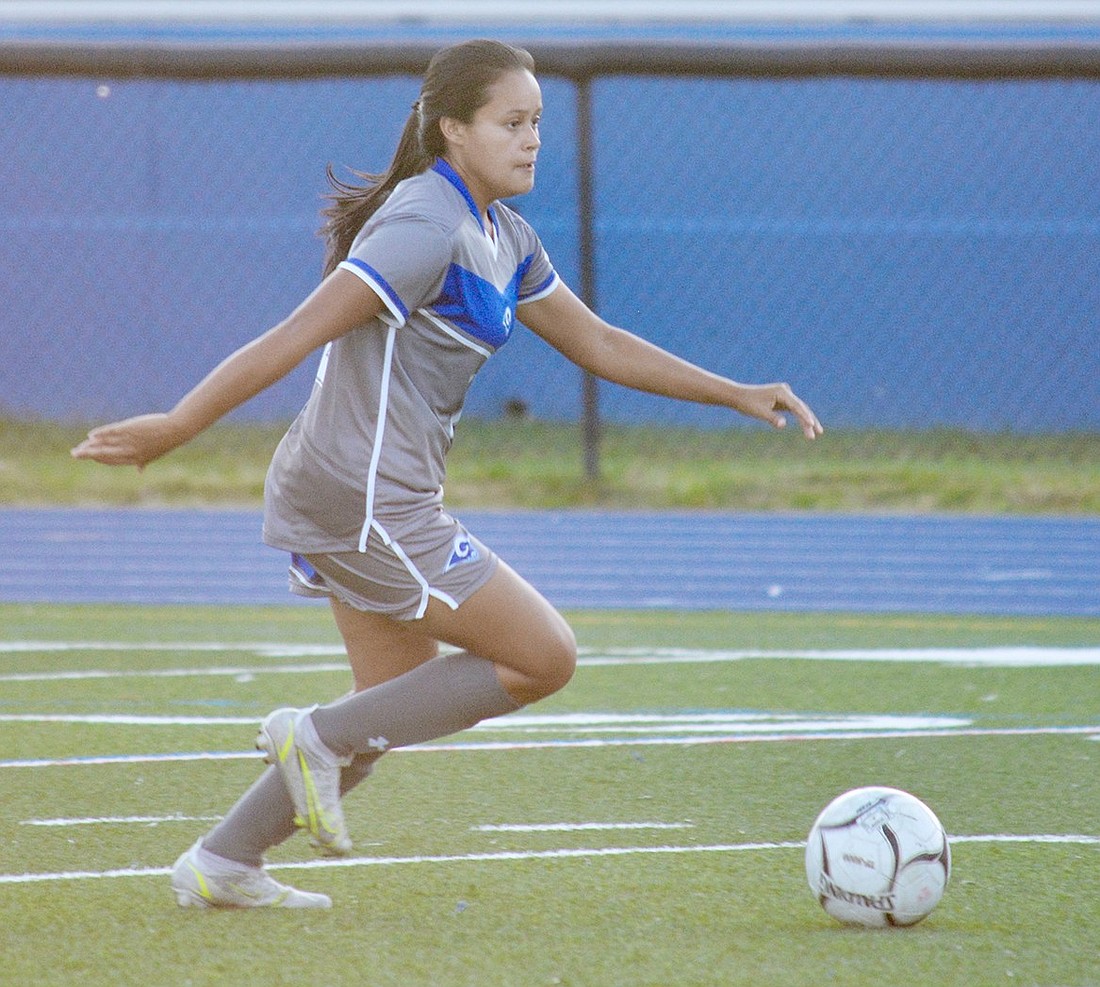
(427, 273)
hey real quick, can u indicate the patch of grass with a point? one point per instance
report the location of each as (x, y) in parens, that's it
(225, 466)
(531, 464)
(431, 898)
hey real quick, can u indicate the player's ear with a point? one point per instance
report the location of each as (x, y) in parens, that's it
(453, 130)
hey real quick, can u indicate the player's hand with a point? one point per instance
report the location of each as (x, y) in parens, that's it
(768, 402)
(132, 442)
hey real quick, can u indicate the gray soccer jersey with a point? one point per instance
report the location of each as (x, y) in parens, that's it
(367, 453)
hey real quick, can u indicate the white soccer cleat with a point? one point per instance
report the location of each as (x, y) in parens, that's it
(312, 777)
(210, 882)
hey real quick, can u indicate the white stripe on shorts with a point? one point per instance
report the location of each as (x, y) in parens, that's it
(426, 590)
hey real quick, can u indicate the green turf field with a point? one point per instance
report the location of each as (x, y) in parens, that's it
(643, 830)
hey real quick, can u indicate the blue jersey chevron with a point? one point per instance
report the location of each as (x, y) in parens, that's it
(477, 307)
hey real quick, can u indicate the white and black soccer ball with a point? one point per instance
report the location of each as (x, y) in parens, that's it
(878, 857)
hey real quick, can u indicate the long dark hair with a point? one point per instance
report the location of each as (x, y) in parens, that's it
(455, 85)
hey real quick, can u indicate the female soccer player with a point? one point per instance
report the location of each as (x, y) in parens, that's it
(427, 273)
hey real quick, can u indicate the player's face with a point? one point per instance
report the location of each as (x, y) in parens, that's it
(495, 153)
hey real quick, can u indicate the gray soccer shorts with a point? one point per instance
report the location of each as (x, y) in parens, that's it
(396, 576)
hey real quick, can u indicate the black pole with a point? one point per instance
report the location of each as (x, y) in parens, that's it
(590, 392)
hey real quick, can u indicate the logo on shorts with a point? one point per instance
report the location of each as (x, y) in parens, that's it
(463, 550)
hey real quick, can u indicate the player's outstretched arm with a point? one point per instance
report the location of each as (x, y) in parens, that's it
(341, 303)
(614, 354)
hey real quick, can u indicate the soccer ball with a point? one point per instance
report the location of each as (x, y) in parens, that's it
(878, 857)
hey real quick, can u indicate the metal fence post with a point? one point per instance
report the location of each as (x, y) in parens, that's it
(590, 391)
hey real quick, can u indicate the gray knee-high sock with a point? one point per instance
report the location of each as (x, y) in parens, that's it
(440, 697)
(264, 816)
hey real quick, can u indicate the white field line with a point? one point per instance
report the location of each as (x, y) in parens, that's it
(73, 762)
(243, 673)
(521, 855)
(997, 657)
(1090, 732)
(572, 723)
(493, 828)
(272, 649)
(574, 827)
(129, 720)
(116, 821)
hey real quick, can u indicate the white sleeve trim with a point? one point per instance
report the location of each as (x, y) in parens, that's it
(541, 294)
(393, 316)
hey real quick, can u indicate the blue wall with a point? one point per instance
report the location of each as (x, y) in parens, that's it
(906, 253)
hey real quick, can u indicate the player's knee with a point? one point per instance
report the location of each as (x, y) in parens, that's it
(557, 663)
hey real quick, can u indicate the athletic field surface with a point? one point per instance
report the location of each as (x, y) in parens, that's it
(645, 827)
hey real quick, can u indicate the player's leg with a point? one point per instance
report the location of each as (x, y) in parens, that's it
(517, 649)
(509, 623)
(378, 649)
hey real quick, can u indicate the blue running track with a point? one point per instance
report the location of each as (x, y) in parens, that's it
(597, 560)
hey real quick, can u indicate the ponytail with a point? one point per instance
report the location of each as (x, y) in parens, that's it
(352, 205)
(455, 85)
